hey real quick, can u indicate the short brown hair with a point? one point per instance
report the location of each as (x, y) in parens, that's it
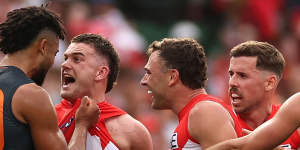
(187, 56)
(268, 57)
(103, 48)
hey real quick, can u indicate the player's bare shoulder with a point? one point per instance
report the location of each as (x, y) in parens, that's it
(129, 133)
(32, 94)
(208, 109)
(214, 115)
(29, 99)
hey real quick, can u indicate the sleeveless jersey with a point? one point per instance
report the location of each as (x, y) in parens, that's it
(98, 137)
(181, 138)
(14, 135)
(293, 142)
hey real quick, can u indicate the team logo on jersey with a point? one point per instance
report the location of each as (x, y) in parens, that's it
(173, 141)
(66, 125)
(286, 146)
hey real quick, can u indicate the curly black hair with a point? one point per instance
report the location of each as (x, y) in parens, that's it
(23, 25)
(103, 48)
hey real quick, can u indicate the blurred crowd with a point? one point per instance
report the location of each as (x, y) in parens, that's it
(131, 25)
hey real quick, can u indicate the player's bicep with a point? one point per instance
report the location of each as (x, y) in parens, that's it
(141, 139)
(38, 111)
(132, 134)
(209, 124)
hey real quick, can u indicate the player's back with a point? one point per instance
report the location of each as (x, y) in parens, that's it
(13, 133)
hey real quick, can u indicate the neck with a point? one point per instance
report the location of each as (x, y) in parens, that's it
(183, 97)
(20, 60)
(257, 116)
(98, 92)
(98, 99)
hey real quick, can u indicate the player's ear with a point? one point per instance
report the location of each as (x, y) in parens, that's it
(271, 82)
(173, 76)
(41, 45)
(102, 73)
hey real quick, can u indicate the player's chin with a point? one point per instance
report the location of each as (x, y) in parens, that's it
(65, 94)
(238, 109)
(157, 106)
(154, 105)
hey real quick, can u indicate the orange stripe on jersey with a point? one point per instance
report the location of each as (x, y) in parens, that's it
(1, 120)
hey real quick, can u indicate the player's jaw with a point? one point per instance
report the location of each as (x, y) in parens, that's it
(153, 103)
(157, 102)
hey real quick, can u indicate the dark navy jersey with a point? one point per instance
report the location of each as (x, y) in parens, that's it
(14, 135)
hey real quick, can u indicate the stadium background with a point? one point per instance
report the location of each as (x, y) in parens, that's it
(131, 25)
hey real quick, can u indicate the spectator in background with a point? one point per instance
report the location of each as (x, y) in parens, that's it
(77, 18)
(103, 17)
(291, 80)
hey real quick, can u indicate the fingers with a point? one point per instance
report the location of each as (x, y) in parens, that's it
(85, 101)
(245, 131)
(88, 112)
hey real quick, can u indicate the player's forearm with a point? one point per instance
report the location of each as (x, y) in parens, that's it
(78, 140)
(226, 145)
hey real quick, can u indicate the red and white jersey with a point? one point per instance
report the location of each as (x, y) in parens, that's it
(293, 142)
(181, 138)
(98, 137)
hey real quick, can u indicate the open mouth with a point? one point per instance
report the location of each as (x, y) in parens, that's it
(68, 80)
(235, 98)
